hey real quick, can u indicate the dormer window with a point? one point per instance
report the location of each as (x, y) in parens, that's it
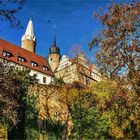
(21, 59)
(45, 68)
(6, 54)
(34, 64)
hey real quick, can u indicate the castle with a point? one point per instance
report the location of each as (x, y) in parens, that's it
(70, 70)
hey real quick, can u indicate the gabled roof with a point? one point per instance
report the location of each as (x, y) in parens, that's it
(17, 51)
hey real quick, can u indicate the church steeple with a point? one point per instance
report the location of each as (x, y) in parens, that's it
(30, 30)
(54, 54)
(54, 49)
(54, 37)
(28, 39)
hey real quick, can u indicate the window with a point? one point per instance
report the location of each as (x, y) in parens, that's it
(21, 59)
(66, 70)
(6, 54)
(44, 79)
(66, 65)
(45, 68)
(87, 82)
(62, 67)
(35, 75)
(34, 64)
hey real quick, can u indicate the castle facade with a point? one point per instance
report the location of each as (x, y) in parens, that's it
(57, 65)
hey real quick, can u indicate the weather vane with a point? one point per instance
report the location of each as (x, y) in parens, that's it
(54, 27)
(31, 16)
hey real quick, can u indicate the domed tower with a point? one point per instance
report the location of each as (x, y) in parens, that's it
(28, 40)
(54, 55)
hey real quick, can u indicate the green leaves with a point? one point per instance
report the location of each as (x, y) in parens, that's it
(16, 106)
(120, 106)
(58, 82)
(88, 123)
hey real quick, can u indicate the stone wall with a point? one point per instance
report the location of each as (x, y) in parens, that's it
(51, 105)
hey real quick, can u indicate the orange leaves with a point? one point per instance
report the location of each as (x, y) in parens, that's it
(137, 48)
(112, 21)
(135, 12)
(116, 132)
(119, 40)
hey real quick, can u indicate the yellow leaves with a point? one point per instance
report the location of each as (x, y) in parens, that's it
(42, 115)
(135, 12)
(131, 117)
(3, 132)
(110, 22)
(114, 101)
(125, 125)
(103, 89)
(116, 132)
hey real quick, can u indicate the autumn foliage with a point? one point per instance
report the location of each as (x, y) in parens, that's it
(109, 109)
(9, 97)
(119, 61)
(14, 101)
(119, 45)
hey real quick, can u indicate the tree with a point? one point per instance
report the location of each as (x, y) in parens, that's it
(88, 123)
(9, 98)
(119, 45)
(58, 82)
(15, 102)
(118, 58)
(84, 112)
(75, 50)
(27, 110)
(8, 10)
(120, 105)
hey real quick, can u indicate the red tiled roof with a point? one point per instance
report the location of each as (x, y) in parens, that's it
(29, 56)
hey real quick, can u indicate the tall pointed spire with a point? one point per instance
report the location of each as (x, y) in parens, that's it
(54, 49)
(30, 30)
(28, 39)
(54, 37)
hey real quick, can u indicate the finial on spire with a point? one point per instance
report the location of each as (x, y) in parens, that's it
(31, 16)
(55, 35)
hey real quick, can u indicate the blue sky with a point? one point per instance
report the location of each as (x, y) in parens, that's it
(74, 20)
